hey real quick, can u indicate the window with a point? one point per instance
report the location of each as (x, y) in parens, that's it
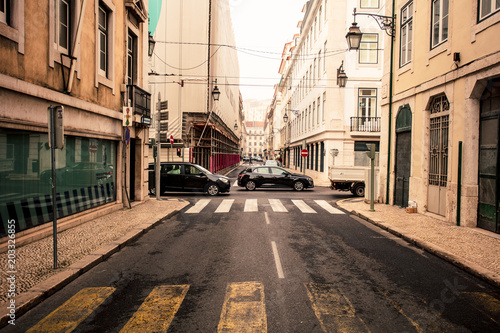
(131, 58)
(63, 27)
(324, 107)
(368, 49)
(318, 110)
(324, 58)
(103, 40)
(488, 7)
(369, 3)
(319, 65)
(439, 26)
(406, 34)
(367, 106)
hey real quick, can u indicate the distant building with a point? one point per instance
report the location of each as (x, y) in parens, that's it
(255, 138)
(189, 62)
(86, 56)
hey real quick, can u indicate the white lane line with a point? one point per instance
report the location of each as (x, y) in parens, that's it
(329, 208)
(267, 218)
(304, 208)
(277, 261)
(235, 183)
(225, 206)
(251, 205)
(277, 206)
(198, 206)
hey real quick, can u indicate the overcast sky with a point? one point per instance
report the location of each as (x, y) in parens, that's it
(261, 28)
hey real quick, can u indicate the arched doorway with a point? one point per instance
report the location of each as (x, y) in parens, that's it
(489, 158)
(403, 156)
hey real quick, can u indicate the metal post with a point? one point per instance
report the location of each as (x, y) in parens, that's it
(372, 178)
(54, 201)
(158, 150)
(459, 182)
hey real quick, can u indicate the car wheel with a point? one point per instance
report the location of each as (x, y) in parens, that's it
(250, 185)
(212, 189)
(298, 186)
(359, 190)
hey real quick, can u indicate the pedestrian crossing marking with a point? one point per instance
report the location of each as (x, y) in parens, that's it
(244, 308)
(69, 315)
(251, 205)
(158, 310)
(304, 208)
(198, 206)
(328, 207)
(225, 206)
(277, 206)
(333, 309)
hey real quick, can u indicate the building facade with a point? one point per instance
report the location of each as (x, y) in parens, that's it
(333, 122)
(441, 124)
(191, 59)
(87, 57)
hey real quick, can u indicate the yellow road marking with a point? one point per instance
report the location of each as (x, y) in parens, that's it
(333, 309)
(400, 310)
(69, 315)
(244, 308)
(158, 310)
(485, 303)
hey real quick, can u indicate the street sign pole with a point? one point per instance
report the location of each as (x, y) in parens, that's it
(158, 150)
(54, 202)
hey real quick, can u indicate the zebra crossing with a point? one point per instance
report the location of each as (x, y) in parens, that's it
(277, 206)
(242, 310)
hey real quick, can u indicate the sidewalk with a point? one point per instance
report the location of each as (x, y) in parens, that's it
(79, 249)
(472, 249)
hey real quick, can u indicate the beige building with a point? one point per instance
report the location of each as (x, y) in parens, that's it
(86, 56)
(442, 123)
(192, 58)
(333, 121)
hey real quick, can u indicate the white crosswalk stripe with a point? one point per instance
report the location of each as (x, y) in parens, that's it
(251, 205)
(225, 206)
(277, 206)
(328, 207)
(198, 206)
(304, 208)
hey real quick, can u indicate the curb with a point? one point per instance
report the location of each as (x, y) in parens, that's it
(34, 296)
(470, 267)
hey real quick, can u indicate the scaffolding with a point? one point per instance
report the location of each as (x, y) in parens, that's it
(213, 145)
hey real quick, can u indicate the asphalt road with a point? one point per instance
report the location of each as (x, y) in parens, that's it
(269, 260)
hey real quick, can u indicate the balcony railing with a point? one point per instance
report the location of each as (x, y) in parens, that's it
(365, 124)
(141, 100)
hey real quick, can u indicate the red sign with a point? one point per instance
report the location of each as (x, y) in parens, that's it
(171, 139)
(304, 153)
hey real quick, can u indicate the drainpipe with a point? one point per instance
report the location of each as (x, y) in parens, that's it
(73, 51)
(390, 110)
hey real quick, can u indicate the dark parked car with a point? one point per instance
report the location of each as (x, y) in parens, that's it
(184, 176)
(262, 176)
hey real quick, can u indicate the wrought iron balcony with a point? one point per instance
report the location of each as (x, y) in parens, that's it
(141, 100)
(365, 124)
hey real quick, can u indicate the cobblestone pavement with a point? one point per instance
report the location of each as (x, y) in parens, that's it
(34, 262)
(473, 249)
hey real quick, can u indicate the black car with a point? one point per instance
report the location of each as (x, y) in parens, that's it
(184, 176)
(262, 176)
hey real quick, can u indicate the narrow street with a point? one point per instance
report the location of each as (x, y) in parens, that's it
(269, 260)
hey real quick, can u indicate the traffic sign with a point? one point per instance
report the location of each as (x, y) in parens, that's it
(171, 139)
(304, 153)
(127, 136)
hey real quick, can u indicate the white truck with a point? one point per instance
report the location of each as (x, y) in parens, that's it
(348, 179)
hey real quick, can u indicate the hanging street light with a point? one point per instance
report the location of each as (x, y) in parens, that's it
(341, 76)
(216, 92)
(151, 45)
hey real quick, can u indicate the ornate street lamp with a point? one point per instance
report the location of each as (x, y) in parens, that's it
(235, 125)
(151, 45)
(341, 76)
(216, 92)
(354, 35)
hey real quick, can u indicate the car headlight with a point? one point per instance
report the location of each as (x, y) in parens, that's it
(224, 180)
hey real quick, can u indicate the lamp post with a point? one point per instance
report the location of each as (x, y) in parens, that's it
(151, 45)
(353, 37)
(341, 76)
(216, 92)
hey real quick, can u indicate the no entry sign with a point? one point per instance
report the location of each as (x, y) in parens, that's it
(304, 153)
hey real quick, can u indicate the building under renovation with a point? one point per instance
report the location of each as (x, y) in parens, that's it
(196, 74)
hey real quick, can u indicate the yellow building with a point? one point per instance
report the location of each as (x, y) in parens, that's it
(442, 122)
(86, 56)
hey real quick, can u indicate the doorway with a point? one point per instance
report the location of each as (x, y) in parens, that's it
(489, 158)
(403, 156)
